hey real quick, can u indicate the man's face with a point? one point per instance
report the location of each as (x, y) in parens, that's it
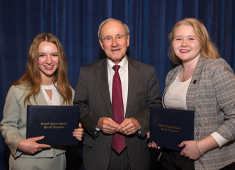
(114, 41)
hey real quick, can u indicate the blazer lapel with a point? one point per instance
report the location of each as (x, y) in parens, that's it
(133, 84)
(61, 100)
(191, 93)
(39, 98)
(102, 79)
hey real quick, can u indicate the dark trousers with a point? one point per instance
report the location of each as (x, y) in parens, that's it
(172, 160)
(119, 161)
(229, 167)
(155, 164)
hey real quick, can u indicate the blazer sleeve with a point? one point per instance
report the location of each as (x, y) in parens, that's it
(223, 80)
(153, 99)
(10, 122)
(88, 118)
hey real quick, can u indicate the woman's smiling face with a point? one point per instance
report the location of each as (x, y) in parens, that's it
(185, 45)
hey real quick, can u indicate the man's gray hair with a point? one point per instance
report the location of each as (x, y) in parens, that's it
(112, 19)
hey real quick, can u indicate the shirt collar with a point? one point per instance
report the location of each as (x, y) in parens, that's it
(123, 64)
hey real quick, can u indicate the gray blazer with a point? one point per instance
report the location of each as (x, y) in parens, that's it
(211, 94)
(13, 124)
(92, 95)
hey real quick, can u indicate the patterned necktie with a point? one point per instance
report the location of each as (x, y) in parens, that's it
(118, 142)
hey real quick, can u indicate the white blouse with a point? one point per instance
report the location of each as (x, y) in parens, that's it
(55, 95)
(175, 96)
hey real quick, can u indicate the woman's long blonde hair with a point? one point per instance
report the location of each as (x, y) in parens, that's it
(208, 49)
(32, 78)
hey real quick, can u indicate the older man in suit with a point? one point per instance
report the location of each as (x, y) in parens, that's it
(114, 95)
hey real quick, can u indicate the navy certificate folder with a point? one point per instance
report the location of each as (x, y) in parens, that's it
(56, 123)
(169, 127)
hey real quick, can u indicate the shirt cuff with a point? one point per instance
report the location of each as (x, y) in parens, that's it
(138, 133)
(219, 139)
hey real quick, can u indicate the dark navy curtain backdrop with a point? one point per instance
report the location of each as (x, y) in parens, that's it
(75, 23)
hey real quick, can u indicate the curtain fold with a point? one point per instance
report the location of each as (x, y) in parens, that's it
(75, 23)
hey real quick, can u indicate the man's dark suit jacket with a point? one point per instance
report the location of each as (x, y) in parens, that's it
(93, 97)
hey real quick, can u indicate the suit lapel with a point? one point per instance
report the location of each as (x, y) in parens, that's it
(102, 79)
(133, 84)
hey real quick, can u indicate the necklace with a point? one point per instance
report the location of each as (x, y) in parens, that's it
(184, 78)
